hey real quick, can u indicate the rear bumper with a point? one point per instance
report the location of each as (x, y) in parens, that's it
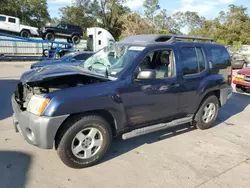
(225, 94)
(36, 130)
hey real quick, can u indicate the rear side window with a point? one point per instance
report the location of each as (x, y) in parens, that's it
(12, 20)
(2, 19)
(193, 60)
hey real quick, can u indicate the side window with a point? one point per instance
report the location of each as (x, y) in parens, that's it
(201, 59)
(189, 61)
(193, 60)
(219, 55)
(2, 19)
(162, 61)
(12, 20)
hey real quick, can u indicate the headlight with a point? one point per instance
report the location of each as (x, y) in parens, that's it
(37, 104)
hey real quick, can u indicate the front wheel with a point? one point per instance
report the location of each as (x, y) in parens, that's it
(82, 142)
(207, 113)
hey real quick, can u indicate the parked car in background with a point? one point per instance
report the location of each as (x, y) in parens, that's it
(73, 58)
(73, 33)
(142, 84)
(242, 80)
(239, 61)
(12, 25)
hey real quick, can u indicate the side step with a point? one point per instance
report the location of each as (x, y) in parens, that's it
(157, 127)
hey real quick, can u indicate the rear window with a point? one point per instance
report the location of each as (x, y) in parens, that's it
(2, 19)
(193, 60)
(12, 20)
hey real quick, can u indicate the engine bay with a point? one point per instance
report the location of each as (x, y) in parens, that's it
(24, 92)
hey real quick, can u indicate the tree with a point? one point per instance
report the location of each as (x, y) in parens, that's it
(133, 24)
(103, 13)
(163, 21)
(151, 6)
(30, 12)
(231, 27)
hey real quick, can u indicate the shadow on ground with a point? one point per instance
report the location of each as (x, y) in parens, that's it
(14, 167)
(237, 103)
(7, 88)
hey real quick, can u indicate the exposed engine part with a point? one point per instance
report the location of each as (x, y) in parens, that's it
(24, 92)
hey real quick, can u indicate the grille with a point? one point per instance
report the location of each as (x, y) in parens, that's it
(247, 78)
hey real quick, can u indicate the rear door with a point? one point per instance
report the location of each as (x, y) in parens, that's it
(194, 71)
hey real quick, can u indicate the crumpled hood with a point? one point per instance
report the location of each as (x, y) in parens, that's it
(50, 72)
(245, 71)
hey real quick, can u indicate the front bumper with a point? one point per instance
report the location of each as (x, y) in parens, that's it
(225, 94)
(39, 131)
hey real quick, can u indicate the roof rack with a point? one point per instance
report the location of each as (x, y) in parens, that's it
(144, 39)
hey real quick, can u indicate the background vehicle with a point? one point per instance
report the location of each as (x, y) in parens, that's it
(98, 38)
(12, 25)
(242, 80)
(73, 58)
(239, 61)
(73, 33)
(142, 84)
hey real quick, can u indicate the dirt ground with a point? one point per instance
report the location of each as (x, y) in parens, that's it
(176, 157)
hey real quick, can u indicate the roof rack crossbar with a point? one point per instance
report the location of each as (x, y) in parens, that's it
(193, 38)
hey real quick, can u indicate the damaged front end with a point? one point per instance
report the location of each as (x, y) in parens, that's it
(25, 90)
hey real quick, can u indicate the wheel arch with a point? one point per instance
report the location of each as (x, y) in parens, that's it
(100, 112)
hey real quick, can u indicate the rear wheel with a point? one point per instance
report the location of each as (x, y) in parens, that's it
(82, 142)
(240, 89)
(25, 33)
(49, 36)
(207, 113)
(76, 39)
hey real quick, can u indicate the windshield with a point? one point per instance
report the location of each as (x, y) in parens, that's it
(112, 60)
(67, 56)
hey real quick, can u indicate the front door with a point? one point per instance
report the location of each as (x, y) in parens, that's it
(157, 99)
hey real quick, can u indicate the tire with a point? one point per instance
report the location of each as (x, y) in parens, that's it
(69, 40)
(25, 34)
(76, 39)
(200, 121)
(240, 89)
(67, 141)
(49, 36)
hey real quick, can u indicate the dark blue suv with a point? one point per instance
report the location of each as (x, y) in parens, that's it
(141, 84)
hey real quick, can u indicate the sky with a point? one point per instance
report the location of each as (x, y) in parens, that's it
(206, 8)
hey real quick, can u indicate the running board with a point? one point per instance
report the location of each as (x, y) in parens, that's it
(157, 127)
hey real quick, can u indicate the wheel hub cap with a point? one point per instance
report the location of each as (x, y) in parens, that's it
(87, 143)
(209, 112)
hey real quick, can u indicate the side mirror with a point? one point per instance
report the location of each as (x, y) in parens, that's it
(73, 60)
(146, 75)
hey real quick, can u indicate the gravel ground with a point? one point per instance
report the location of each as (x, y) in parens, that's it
(176, 157)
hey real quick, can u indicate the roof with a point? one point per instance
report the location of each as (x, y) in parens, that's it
(163, 39)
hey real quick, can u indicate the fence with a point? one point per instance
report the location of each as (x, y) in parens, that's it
(24, 48)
